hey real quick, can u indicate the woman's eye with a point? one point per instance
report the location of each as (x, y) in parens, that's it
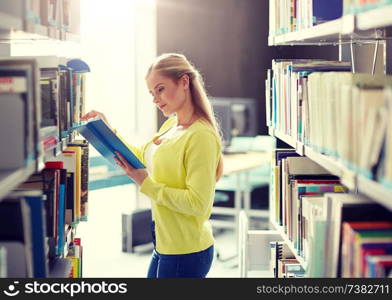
(160, 90)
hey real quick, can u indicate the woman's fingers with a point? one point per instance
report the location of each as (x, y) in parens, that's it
(93, 114)
(89, 115)
(123, 160)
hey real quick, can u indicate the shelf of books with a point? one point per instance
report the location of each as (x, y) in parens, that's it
(331, 193)
(43, 161)
(354, 181)
(324, 33)
(290, 245)
(326, 25)
(39, 20)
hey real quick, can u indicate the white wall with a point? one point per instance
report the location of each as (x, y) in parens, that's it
(119, 43)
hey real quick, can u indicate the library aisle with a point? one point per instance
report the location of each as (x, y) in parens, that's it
(101, 235)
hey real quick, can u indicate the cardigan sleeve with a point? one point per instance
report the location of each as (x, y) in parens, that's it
(201, 160)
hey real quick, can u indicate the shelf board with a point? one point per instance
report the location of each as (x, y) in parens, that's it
(60, 269)
(290, 244)
(375, 190)
(349, 178)
(284, 137)
(328, 32)
(375, 18)
(10, 179)
(341, 30)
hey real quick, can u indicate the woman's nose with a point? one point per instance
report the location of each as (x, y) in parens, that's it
(155, 99)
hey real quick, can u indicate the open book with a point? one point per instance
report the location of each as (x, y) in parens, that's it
(106, 142)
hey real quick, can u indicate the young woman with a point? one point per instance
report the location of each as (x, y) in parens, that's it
(183, 163)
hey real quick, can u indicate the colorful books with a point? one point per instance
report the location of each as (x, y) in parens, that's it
(361, 240)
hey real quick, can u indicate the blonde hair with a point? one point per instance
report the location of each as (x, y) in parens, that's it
(174, 66)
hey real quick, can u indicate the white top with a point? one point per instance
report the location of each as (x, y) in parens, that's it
(152, 147)
(148, 155)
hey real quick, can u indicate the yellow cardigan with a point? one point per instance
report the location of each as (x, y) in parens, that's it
(182, 187)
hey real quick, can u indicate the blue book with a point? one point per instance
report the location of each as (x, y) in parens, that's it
(61, 220)
(324, 11)
(38, 232)
(106, 142)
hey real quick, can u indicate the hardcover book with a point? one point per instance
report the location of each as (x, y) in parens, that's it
(106, 142)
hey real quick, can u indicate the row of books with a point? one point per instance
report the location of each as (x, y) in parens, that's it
(75, 255)
(358, 6)
(293, 178)
(38, 218)
(293, 15)
(63, 99)
(60, 14)
(366, 249)
(26, 249)
(283, 263)
(352, 111)
(312, 208)
(38, 107)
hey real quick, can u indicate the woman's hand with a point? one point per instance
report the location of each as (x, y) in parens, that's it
(137, 175)
(92, 114)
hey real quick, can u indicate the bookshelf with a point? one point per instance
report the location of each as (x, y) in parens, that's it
(363, 27)
(289, 243)
(359, 27)
(10, 179)
(13, 27)
(58, 255)
(354, 181)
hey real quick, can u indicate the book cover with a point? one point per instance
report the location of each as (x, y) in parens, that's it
(78, 178)
(34, 199)
(83, 144)
(69, 159)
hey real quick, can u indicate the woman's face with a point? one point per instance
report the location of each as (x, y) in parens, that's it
(168, 95)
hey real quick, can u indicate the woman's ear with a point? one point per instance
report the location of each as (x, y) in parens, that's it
(185, 81)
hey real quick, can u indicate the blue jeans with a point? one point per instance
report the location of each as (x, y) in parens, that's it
(194, 265)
